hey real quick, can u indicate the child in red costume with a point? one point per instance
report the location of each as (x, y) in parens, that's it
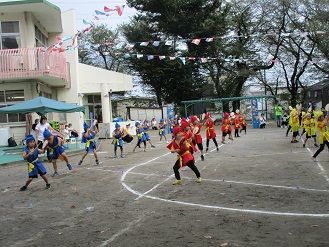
(184, 158)
(243, 123)
(226, 127)
(210, 132)
(236, 120)
(185, 126)
(197, 138)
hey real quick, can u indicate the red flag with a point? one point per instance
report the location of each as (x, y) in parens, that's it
(196, 41)
(106, 9)
(119, 9)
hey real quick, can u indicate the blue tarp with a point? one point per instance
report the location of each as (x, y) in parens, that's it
(41, 105)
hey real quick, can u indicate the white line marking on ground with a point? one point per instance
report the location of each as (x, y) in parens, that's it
(131, 224)
(204, 205)
(256, 155)
(323, 171)
(224, 208)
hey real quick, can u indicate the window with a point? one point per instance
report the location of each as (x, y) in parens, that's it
(40, 39)
(315, 94)
(9, 35)
(11, 97)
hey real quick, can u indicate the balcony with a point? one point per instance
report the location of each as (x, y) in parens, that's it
(18, 65)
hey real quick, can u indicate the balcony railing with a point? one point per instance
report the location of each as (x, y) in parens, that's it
(32, 63)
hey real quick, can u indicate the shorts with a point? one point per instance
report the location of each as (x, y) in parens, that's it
(307, 136)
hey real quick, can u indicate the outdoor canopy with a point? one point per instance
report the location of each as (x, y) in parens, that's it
(41, 105)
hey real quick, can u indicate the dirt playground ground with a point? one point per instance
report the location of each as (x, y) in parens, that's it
(258, 190)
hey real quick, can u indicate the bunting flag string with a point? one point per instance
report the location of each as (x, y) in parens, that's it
(202, 59)
(184, 59)
(58, 45)
(197, 41)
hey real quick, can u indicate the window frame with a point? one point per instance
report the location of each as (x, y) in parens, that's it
(16, 116)
(11, 34)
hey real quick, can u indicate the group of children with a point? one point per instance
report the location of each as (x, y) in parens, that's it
(185, 138)
(311, 121)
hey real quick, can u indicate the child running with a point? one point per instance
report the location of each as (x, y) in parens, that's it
(117, 135)
(35, 167)
(140, 136)
(322, 126)
(56, 150)
(146, 134)
(226, 127)
(162, 130)
(88, 137)
(184, 158)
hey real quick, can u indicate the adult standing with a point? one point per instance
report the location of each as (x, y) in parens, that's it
(278, 114)
(39, 129)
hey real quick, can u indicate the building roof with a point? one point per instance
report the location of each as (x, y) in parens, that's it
(320, 85)
(48, 14)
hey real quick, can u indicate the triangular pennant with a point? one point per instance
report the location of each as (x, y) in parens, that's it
(106, 9)
(150, 57)
(120, 9)
(169, 42)
(196, 41)
(144, 43)
(182, 59)
(156, 43)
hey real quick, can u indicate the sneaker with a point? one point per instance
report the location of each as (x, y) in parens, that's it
(23, 188)
(316, 145)
(231, 139)
(97, 162)
(202, 157)
(144, 150)
(80, 162)
(167, 141)
(223, 142)
(303, 145)
(69, 166)
(207, 149)
(115, 156)
(217, 149)
(198, 180)
(55, 174)
(122, 155)
(47, 186)
(295, 141)
(177, 182)
(314, 159)
(152, 146)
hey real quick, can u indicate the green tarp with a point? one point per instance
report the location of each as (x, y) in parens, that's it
(41, 105)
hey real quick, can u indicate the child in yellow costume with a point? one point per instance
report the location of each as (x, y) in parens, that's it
(294, 118)
(322, 124)
(309, 126)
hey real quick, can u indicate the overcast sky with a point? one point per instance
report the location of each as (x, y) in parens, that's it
(85, 9)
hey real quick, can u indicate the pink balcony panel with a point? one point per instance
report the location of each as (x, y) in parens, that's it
(33, 63)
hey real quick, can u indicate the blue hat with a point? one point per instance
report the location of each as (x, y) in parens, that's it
(137, 123)
(117, 125)
(29, 138)
(46, 134)
(85, 126)
(161, 120)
